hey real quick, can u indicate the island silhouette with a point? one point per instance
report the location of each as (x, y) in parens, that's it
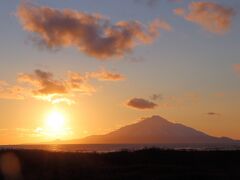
(152, 130)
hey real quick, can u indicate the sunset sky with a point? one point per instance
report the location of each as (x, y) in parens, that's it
(73, 68)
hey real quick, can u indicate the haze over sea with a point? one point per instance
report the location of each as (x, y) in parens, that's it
(118, 147)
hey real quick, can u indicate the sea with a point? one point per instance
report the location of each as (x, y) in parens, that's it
(102, 148)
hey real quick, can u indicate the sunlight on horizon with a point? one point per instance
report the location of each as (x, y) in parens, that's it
(69, 70)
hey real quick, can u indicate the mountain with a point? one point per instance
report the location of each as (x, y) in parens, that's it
(154, 129)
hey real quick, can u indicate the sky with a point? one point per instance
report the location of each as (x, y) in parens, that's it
(74, 68)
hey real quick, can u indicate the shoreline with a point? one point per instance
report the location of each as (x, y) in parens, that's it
(105, 148)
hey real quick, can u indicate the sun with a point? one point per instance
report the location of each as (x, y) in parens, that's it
(55, 124)
(55, 121)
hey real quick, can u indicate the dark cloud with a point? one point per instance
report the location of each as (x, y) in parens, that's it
(92, 34)
(213, 114)
(211, 16)
(140, 103)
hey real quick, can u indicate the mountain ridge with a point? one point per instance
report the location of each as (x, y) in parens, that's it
(153, 130)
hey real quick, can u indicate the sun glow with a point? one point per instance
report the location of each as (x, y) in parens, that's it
(55, 124)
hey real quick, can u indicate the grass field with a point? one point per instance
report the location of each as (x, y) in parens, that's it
(146, 164)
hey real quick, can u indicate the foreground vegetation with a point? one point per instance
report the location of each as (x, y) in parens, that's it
(142, 164)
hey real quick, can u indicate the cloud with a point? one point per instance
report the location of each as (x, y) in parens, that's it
(179, 11)
(237, 68)
(92, 34)
(79, 83)
(176, 101)
(211, 16)
(219, 94)
(153, 3)
(140, 103)
(156, 97)
(44, 82)
(34, 133)
(11, 92)
(213, 114)
(165, 101)
(175, 1)
(104, 75)
(45, 86)
(135, 59)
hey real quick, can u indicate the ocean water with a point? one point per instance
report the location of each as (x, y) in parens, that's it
(120, 147)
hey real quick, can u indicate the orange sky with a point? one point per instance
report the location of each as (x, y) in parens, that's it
(73, 69)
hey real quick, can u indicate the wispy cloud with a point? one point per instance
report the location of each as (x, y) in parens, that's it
(104, 75)
(156, 97)
(213, 114)
(11, 92)
(92, 34)
(175, 1)
(153, 3)
(135, 59)
(176, 101)
(219, 94)
(140, 103)
(45, 86)
(39, 132)
(211, 16)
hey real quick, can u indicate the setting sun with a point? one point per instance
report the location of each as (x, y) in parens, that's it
(55, 124)
(55, 121)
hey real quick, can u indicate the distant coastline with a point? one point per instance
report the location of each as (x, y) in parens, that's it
(119, 147)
